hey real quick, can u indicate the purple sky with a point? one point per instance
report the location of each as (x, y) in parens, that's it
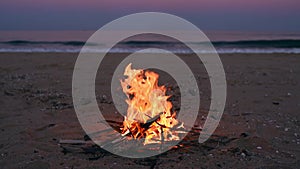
(255, 15)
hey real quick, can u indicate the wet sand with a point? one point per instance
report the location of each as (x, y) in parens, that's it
(259, 128)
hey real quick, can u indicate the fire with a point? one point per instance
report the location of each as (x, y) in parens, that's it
(149, 113)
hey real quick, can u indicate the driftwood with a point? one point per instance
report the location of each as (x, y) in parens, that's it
(75, 142)
(91, 151)
(115, 140)
(111, 131)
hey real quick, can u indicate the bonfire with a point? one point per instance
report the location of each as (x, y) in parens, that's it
(149, 114)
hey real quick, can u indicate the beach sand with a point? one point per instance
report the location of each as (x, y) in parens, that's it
(259, 127)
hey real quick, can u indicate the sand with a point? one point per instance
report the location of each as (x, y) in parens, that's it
(259, 128)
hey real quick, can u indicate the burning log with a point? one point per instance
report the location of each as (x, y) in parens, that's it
(145, 126)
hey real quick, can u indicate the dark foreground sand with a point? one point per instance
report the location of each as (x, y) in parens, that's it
(259, 128)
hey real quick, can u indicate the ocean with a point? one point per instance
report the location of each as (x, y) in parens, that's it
(223, 41)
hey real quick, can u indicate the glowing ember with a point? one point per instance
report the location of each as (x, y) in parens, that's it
(149, 113)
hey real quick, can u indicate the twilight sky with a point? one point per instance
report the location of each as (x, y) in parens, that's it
(254, 15)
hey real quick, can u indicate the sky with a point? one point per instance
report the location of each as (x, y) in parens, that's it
(242, 15)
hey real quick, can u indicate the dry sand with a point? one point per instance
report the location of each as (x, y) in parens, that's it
(259, 128)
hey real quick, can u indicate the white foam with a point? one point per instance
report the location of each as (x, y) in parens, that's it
(130, 50)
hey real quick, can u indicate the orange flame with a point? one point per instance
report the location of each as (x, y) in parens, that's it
(149, 113)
